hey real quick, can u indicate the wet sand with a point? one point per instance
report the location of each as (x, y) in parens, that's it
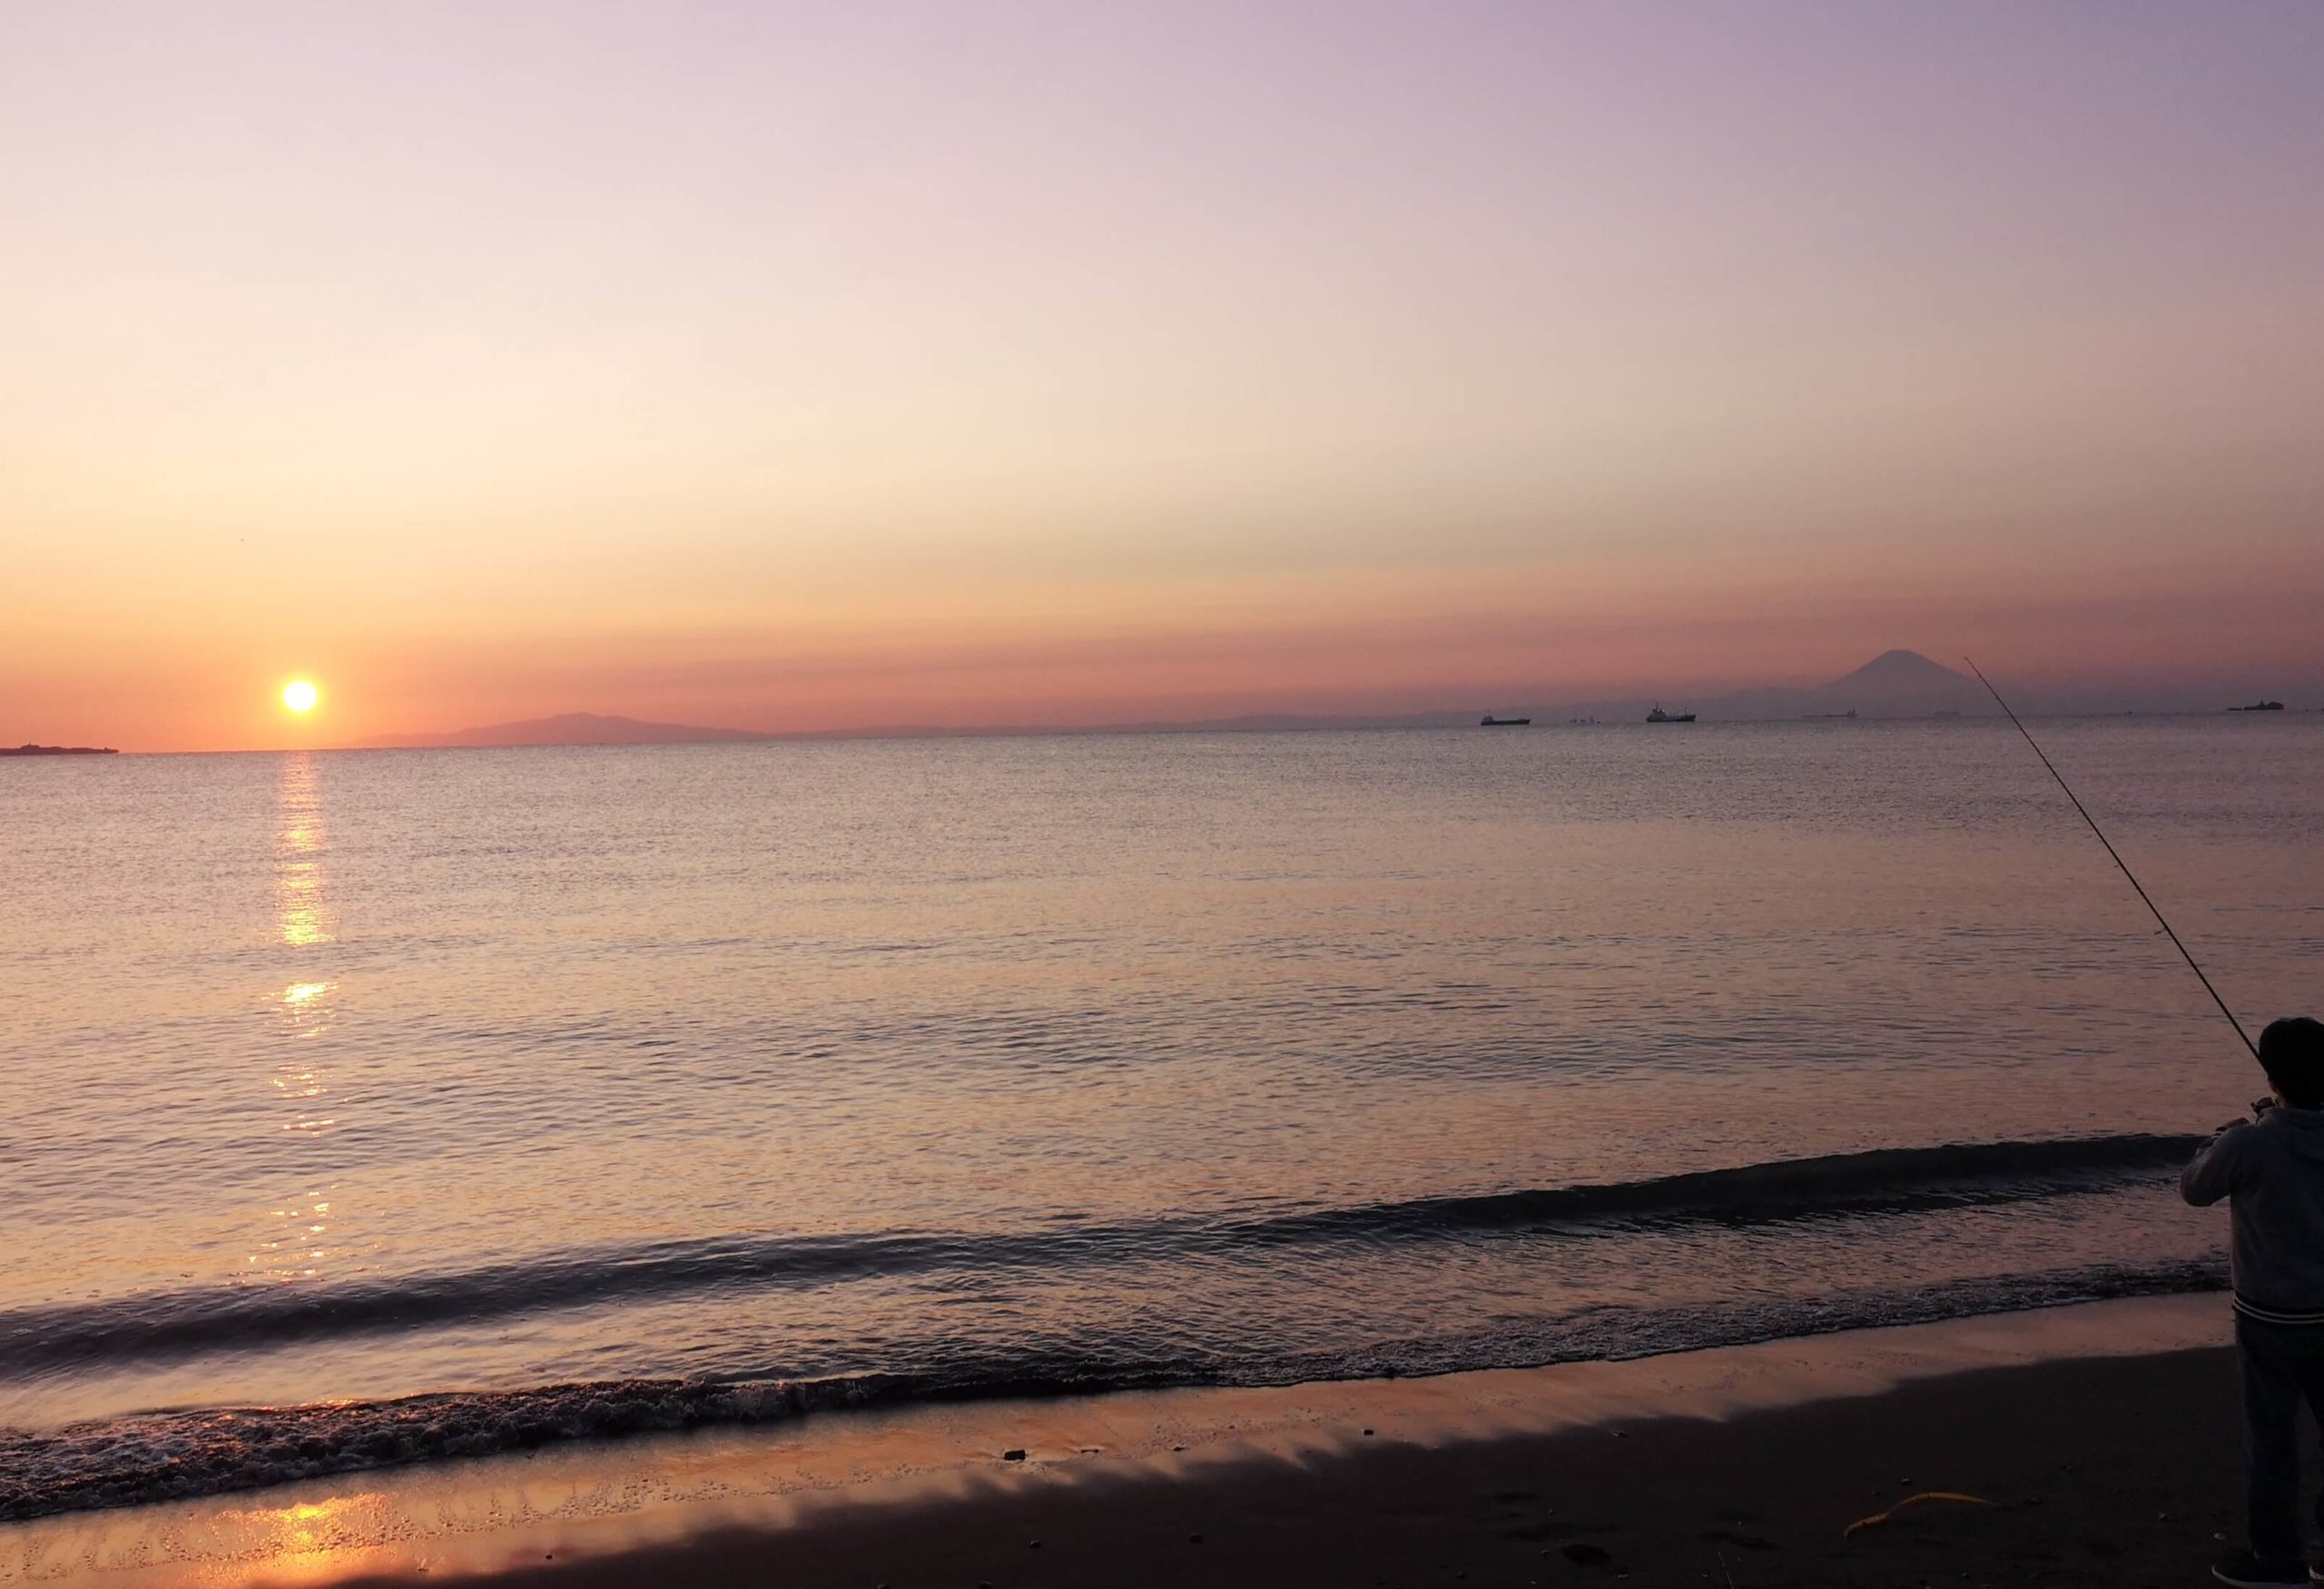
(2102, 1435)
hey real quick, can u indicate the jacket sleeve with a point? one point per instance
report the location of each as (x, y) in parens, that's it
(2212, 1175)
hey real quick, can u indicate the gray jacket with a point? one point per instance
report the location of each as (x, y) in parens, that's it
(2271, 1170)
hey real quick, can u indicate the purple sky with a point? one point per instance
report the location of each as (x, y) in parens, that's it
(796, 366)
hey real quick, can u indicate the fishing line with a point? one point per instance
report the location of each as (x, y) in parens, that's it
(2102, 839)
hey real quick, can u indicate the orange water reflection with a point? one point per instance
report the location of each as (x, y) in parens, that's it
(306, 1543)
(298, 855)
(297, 1244)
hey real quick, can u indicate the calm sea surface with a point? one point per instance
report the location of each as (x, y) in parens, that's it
(492, 1096)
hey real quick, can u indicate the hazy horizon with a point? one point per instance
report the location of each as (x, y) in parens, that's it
(822, 367)
(1758, 702)
(1880, 697)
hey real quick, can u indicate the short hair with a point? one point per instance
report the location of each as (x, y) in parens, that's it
(2291, 1051)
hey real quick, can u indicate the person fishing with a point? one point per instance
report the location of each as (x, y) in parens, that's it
(2270, 1170)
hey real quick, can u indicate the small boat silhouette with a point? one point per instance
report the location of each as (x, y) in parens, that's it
(1659, 715)
(1490, 721)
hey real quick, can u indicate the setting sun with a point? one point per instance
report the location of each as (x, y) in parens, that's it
(299, 696)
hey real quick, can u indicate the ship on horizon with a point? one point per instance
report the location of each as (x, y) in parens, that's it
(1659, 715)
(2260, 706)
(1490, 721)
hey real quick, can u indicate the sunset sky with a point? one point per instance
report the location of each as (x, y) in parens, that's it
(810, 366)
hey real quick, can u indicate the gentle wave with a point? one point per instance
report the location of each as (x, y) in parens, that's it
(156, 1456)
(1881, 1180)
(170, 1324)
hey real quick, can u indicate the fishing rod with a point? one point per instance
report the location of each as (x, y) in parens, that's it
(2102, 839)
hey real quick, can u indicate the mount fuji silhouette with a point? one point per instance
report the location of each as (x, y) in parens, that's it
(1894, 684)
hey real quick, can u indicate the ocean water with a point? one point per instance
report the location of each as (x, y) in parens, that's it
(362, 1107)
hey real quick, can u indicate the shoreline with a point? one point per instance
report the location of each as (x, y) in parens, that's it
(825, 1498)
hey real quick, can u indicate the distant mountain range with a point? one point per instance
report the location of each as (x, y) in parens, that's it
(565, 728)
(1894, 684)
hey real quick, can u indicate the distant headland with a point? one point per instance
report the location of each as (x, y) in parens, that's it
(566, 728)
(59, 750)
(1894, 684)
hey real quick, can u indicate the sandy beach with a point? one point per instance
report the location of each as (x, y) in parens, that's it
(2101, 1435)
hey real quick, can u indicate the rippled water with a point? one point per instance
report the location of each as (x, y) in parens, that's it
(559, 1079)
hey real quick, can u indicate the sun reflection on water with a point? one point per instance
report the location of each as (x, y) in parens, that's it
(301, 1543)
(299, 856)
(297, 1244)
